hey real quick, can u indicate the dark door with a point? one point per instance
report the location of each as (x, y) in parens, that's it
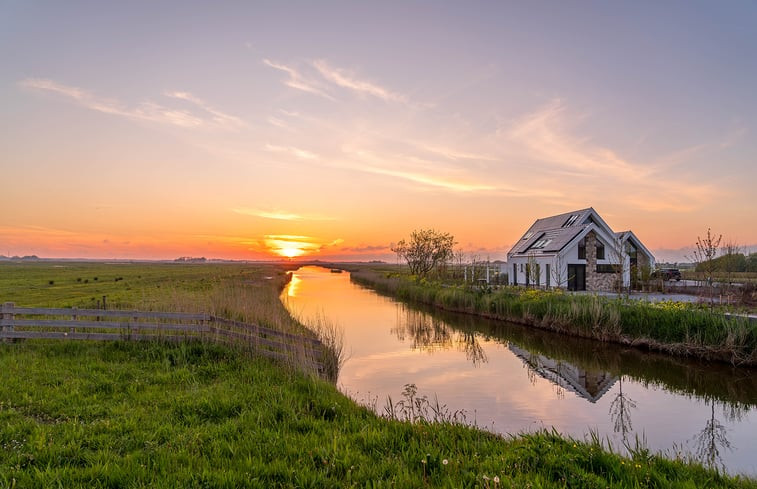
(576, 277)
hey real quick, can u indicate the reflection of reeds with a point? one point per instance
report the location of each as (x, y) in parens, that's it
(429, 333)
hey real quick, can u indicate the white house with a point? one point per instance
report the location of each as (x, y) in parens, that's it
(577, 250)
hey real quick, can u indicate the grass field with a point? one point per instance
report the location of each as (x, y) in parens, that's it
(195, 415)
(128, 414)
(233, 290)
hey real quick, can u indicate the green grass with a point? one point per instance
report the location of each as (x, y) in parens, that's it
(669, 327)
(196, 415)
(140, 414)
(238, 291)
(233, 290)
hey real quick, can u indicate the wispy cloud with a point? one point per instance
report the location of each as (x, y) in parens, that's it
(144, 111)
(299, 153)
(218, 117)
(365, 248)
(282, 215)
(369, 162)
(546, 136)
(455, 154)
(458, 186)
(430, 174)
(347, 80)
(297, 80)
(274, 121)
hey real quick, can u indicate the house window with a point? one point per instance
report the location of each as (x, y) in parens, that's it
(528, 235)
(603, 268)
(600, 252)
(582, 251)
(547, 274)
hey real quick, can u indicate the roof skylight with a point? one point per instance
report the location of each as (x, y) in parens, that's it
(541, 244)
(570, 221)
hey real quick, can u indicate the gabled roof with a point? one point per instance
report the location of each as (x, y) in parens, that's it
(559, 230)
(626, 235)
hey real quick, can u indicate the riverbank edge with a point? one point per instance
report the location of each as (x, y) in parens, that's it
(590, 316)
(193, 402)
(331, 441)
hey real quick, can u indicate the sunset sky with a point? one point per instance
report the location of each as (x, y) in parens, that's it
(330, 130)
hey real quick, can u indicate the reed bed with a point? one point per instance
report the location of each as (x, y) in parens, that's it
(668, 327)
(235, 291)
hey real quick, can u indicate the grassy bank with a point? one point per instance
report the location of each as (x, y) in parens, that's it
(669, 327)
(194, 415)
(127, 414)
(237, 291)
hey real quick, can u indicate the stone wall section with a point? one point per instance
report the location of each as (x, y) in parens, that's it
(596, 281)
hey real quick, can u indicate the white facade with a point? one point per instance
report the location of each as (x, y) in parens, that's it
(577, 251)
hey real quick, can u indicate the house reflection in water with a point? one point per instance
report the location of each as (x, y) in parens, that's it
(591, 385)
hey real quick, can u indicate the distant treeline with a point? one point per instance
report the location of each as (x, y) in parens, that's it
(191, 259)
(736, 262)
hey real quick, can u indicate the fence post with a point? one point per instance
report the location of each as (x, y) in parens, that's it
(7, 317)
(74, 316)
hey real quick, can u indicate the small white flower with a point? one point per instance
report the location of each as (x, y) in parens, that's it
(496, 479)
(445, 461)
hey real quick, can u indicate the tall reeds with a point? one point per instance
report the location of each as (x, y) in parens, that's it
(671, 328)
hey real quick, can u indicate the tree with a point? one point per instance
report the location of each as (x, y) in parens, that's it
(704, 255)
(619, 250)
(426, 250)
(559, 271)
(731, 262)
(532, 270)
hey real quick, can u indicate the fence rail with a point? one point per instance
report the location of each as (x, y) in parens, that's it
(20, 323)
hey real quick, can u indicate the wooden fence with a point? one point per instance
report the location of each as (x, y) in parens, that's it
(20, 323)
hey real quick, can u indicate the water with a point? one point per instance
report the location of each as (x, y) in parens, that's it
(510, 379)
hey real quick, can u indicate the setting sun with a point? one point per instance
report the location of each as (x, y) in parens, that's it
(290, 246)
(291, 145)
(291, 252)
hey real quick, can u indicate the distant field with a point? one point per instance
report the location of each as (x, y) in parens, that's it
(247, 292)
(735, 277)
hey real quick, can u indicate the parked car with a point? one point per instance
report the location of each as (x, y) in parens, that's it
(667, 274)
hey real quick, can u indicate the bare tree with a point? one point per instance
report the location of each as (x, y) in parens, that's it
(426, 250)
(532, 270)
(559, 271)
(704, 255)
(459, 260)
(619, 252)
(730, 261)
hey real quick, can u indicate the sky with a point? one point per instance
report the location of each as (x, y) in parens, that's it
(330, 130)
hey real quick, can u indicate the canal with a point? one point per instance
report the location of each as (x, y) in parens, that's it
(510, 379)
